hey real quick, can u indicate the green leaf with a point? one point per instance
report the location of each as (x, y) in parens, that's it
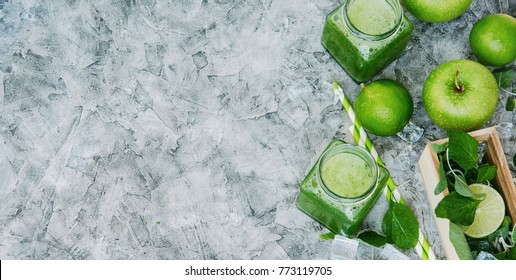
(486, 173)
(327, 236)
(372, 238)
(512, 254)
(387, 224)
(504, 77)
(509, 106)
(439, 148)
(502, 255)
(461, 187)
(514, 234)
(457, 208)
(506, 222)
(501, 232)
(463, 149)
(405, 228)
(471, 175)
(459, 242)
(443, 182)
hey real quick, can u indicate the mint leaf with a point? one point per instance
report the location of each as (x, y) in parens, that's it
(405, 228)
(372, 238)
(502, 255)
(471, 175)
(457, 208)
(327, 236)
(463, 149)
(443, 182)
(514, 234)
(387, 224)
(506, 222)
(461, 187)
(459, 242)
(439, 148)
(485, 173)
(400, 226)
(501, 232)
(504, 77)
(509, 106)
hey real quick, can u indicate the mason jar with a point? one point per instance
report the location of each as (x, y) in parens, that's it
(342, 187)
(364, 36)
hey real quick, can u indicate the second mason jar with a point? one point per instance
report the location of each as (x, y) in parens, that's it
(364, 36)
(342, 187)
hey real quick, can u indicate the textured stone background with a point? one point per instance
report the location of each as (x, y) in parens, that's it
(141, 129)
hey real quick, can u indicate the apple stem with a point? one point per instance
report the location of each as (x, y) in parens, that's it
(460, 88)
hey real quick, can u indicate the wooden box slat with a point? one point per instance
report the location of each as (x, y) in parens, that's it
(429, 162)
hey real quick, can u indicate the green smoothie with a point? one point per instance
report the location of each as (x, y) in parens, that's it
(347, 175)
(337, 192)
(364, 36)
(373, 17)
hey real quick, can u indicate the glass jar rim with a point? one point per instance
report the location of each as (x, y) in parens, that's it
(351, 149)
(374, 37)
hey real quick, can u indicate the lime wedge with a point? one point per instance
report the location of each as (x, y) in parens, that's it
(490, 212)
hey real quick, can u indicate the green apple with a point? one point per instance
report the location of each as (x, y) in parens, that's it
(436, 10)
(460, 94)
(493, 39)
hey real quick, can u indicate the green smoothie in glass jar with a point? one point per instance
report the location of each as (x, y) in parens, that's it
(342, 187)
(364, 36)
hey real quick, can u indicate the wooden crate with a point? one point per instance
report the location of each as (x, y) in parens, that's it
(428, 164)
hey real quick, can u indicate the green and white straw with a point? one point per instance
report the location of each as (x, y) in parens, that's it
(391, 193)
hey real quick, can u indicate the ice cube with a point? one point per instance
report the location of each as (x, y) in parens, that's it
(367, 252)
(485, 256)
(391, 253)
(411, 133)
(344, 248)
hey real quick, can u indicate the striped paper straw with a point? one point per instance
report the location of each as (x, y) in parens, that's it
(391, 193)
